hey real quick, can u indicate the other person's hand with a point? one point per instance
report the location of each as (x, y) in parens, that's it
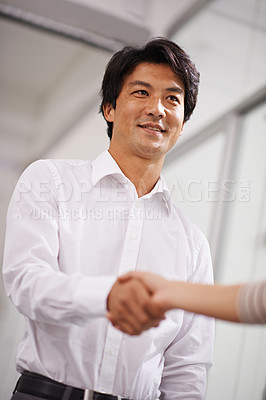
(163, 291)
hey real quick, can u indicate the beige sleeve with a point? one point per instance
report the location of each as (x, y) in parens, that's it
(252, 303)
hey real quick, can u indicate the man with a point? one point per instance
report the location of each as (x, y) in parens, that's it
(73, 227)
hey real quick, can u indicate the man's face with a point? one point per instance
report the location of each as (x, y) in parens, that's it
(149, 114)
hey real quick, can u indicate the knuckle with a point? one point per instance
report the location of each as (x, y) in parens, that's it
(143, 319)
(132, 331)
(146, 303)
(124, 301)
(137, 331)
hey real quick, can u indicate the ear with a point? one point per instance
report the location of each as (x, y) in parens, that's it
(108, 111)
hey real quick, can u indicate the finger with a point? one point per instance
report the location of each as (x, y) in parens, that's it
(134, 327)
(127, 310)
(126, 327)
(126, 277)
(109, 315)
(131, 309)
(136, 304)
(132, 274)
(127, 307)
(151, 281)
(145, 318)
(134, 312)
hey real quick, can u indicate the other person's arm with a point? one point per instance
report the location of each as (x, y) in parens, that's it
(237, 303)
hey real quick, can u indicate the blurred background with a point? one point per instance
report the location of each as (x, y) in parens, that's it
(52, 58)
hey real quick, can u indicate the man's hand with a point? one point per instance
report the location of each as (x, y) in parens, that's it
(129, 307)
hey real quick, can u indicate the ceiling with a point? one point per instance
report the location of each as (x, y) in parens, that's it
(53, 54)
(126, 21)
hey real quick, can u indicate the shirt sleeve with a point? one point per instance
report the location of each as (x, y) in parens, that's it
(190, 354)
(31, 271)
(252, 303)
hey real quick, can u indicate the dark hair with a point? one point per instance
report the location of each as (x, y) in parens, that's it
(156, 51)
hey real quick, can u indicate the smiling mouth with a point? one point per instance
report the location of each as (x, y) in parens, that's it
(153, 128)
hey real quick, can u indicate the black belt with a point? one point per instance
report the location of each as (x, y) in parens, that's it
(40, 386)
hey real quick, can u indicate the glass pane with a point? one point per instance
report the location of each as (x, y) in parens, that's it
(227, 42)
(244, 258)
(193, 180)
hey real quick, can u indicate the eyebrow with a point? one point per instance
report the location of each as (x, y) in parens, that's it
(176, 89)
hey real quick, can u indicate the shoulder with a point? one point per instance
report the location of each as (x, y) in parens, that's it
(56, 168)
(67, 164)
(53, 180)
(54, 176)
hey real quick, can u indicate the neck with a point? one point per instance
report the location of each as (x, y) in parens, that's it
(142, 172)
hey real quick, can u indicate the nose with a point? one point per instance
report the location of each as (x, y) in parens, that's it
(155, 107)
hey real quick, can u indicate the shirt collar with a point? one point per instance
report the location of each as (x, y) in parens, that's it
(105, 165)
(162, 190)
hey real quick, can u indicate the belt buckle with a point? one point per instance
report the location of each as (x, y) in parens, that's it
(88, 394)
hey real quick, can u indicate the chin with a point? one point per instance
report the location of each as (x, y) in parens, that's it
(153, 151)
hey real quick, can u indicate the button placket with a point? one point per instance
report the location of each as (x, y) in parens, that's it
(133, 238)
(110, 357)
(128, 262)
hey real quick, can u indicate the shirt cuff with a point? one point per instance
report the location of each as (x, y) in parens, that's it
(91, 296)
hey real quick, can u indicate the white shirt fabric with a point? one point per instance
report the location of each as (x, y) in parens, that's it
(72, 228)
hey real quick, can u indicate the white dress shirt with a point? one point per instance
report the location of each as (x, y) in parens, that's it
(72, 228)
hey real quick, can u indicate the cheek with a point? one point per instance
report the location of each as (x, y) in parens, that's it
(126, 114)
(177, 129)
(176, 120)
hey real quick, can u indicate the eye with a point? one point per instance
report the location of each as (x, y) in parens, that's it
(173, 98)
(141, 92)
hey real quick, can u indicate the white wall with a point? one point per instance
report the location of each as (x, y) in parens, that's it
(86, 140)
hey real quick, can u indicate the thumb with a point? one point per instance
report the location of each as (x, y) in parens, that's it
(126, 277)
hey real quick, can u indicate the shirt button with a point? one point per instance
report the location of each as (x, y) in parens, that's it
(133, 236)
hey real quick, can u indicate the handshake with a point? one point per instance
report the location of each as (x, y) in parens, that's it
(138, 301)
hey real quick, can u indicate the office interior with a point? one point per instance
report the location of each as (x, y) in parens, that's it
(52, 59)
